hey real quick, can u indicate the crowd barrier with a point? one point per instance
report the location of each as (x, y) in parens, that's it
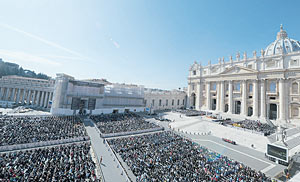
(99, 168)
(131, 132)
(42, 144)
(119, 164)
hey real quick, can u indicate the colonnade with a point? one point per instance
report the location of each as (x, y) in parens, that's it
(38, 98)
(258, 99)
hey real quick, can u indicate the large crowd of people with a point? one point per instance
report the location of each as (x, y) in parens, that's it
(26, 129)
(116, 123)
(166, 156)
(190, 112)
(264, 128)
(61, 163)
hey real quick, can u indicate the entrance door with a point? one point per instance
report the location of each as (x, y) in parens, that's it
(250, 111)
(226, 107)
(193, 100)
(273, 112)
(237, 107)
(214, 104)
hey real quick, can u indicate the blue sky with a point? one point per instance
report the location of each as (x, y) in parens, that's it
(146, 42)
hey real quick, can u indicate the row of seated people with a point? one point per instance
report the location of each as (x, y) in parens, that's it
(30, 129)
(71, 162)
(165, 156)
(116, 123)
(189, 112)
(264, 128)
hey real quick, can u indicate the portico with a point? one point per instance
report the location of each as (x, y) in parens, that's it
(263, 87)
(26, 91)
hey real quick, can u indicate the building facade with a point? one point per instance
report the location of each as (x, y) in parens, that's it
(163, 99)
(263, 87)
(26, 91)
(94, 97)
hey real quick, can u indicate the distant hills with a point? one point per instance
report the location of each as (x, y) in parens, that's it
(7, 68)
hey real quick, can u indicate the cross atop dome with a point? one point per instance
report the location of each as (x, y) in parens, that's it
(281, 34)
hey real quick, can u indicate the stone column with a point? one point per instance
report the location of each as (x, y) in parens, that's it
(244, 98)
(255, 98)
(23, 96)
(51, 96)
(38, 98)
(28, 97)
(222, 96)
(263, 99)
(1, 92)
(41, 103)
(18, 96)
(230, 97)
(6, 94)
(199, 96)
(12, 96)
(283, 98)
(33, 97)
(218, 96)
(188, 102)
(208, 96)
(46, 99)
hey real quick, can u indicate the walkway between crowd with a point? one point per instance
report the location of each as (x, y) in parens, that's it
(111, 171)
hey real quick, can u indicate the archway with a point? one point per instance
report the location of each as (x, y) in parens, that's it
(226, 107)
(273, 111)
(193, 100)
(250, 111)
(237, 107)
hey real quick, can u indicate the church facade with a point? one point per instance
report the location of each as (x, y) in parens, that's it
(264, 87)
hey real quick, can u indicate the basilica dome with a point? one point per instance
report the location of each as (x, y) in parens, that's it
(282, 44)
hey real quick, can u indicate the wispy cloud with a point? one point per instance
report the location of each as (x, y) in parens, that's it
(50, 43)
(23, 57)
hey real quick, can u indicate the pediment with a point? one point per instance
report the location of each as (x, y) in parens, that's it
(238, 70)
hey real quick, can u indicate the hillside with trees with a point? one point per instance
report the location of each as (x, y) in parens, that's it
(7, 68)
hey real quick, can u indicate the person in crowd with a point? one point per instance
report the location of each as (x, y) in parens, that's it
(71, 162)
(30, 129)
(116, 123)
(166, 157)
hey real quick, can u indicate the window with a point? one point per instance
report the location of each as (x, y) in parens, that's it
(250, 66)
(153, 102)
(167, 102)
(145, 102)
(294, 62)
(226, 86)
(295, 111)
(214, 86)
(272, 98)
(193, 86)
(178, 102)
(272, 87)
(237, 86)
(295, 88)
(250, 87)
(183, 102)
(194, 72)
(159, 102)
(172, 102)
